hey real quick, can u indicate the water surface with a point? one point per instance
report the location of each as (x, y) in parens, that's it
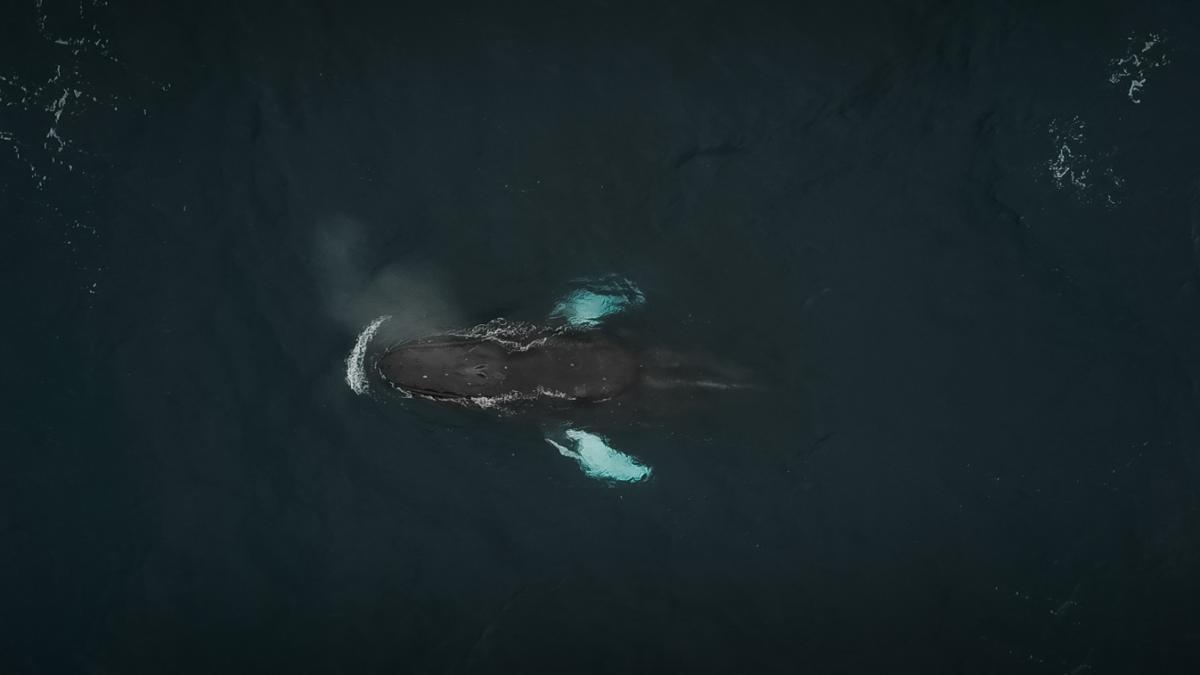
(958, 240)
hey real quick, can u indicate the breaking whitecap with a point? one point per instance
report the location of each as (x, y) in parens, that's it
(1073, 168)
(1142, 55)
(356, 375)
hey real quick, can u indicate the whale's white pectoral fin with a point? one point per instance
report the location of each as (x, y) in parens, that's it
(564, 450)
(595, 299)
(600, 460)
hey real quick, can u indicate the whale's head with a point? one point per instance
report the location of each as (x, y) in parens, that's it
(447, 368)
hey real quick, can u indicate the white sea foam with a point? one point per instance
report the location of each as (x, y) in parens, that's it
(1071, 165)
(1142, 55)
(1073, 168)
(356, 375)
(45, 100)
(515, 336)
(502, 401)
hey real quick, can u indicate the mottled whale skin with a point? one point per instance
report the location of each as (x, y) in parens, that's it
(578, 366)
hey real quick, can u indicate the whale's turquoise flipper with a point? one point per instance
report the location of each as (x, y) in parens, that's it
(598, 459)
(595, 299)
(587, 306)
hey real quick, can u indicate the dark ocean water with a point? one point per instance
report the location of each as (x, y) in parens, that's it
(957, 240)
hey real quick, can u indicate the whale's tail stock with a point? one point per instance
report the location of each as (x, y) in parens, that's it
(693, 369)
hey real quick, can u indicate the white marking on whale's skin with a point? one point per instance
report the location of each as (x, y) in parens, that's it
(356, 375)
(600, 460)
(683, 383)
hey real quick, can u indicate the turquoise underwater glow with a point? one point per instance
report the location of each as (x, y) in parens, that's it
(600, 460)
(587, 306)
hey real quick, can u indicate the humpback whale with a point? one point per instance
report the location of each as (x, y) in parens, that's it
(503, 362)
(569, 360)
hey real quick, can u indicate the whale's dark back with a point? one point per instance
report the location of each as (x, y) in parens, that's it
(566, 366)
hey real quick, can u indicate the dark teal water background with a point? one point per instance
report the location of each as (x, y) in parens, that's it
(978, 454)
